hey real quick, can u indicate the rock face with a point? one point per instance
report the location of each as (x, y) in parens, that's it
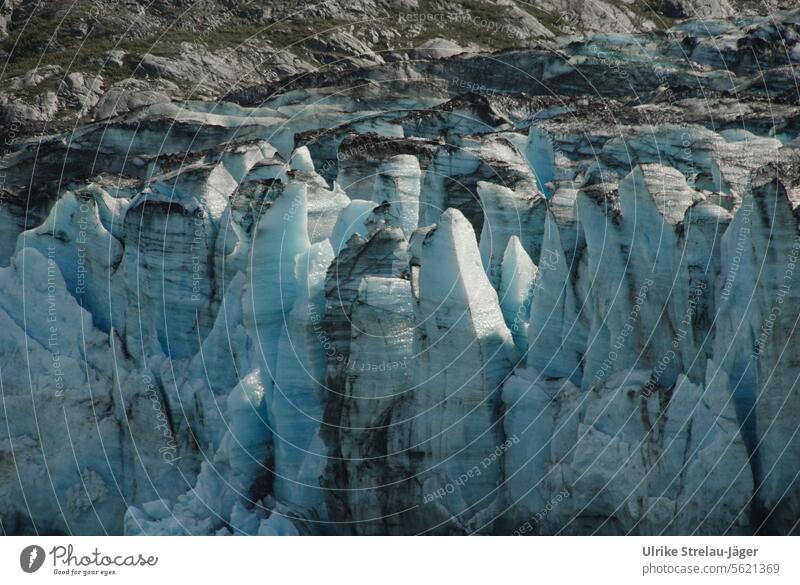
(93, 59)
(697, 8)
(540, 291)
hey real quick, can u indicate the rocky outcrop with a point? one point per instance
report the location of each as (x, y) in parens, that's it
(128, 55)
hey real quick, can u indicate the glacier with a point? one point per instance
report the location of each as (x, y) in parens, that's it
(369, 303)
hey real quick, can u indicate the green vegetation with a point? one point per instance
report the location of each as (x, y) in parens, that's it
(40, 43)
(53, 35)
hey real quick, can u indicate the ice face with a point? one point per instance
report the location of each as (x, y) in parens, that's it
(376, 381)
(508, 213)
(87, 255)
(398, 183)
(280, 236)
(516, 290)
(541, 156)
(352, 220)
(72, 383)
(595, 452)
(400, 308)
(298, 401)
(463, 350)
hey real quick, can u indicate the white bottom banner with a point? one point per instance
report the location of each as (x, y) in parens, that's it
(384, 560)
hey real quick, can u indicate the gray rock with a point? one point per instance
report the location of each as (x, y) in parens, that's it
(128, 95)
(437, 49)
(698, 8)
(81, 92)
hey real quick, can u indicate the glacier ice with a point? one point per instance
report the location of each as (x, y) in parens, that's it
(397, 308)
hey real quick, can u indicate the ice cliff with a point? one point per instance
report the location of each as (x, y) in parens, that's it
(370, 303)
